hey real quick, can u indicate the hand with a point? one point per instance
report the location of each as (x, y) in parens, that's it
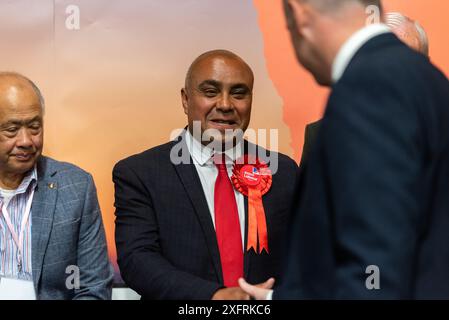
(233, 293)
(259, 291)
(236, 293)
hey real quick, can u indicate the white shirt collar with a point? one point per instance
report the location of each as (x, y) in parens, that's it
(352, 45)
(202, 154)
(30, 178)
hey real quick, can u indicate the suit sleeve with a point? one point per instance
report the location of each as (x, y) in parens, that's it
(309, 140)
(372, 146)
(140, 257)
(95, 270)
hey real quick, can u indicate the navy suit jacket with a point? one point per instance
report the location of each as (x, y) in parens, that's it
(375, 190)
(166, 242)
(310, 135)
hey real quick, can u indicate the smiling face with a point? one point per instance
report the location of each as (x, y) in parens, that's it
(21, 127)
(218, 93)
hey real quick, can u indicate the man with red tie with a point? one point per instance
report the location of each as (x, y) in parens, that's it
(196, 214)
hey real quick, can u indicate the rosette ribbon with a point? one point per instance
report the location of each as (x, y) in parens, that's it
(253, 178)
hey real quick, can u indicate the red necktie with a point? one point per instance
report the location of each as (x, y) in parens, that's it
(227, 227)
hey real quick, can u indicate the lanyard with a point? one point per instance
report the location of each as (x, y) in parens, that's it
(18, 239)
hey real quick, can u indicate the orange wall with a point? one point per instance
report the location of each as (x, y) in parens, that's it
(303, 100)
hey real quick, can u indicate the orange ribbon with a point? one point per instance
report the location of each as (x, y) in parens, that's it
(254, 189)
(257, 225)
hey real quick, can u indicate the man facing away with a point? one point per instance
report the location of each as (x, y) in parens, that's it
(408, 31)
(373, 207)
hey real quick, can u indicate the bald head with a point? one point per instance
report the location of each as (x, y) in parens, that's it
(409, 31)
(209, 56)
(11, 82)
(21, 128)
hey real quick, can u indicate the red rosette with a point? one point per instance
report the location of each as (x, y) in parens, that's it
(253, 178)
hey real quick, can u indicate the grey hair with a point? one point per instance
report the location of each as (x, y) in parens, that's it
(33, 85)
(423, 38)
(397, 19)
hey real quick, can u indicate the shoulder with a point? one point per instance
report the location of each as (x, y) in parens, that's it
(54, 168)
(287, 162)
(70, 179)
(387, 62)
(278, 162)
(313, 125)
(312, 129)
(383, 73)
(154, 157)
(387, 80)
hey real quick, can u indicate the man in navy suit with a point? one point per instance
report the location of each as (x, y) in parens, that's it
(408, 31)
(172, 240)
(372, 214)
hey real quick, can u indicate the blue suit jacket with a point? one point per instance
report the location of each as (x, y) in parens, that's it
(67, 230)
(375, 190)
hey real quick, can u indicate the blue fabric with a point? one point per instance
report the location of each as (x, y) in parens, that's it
(67, 230)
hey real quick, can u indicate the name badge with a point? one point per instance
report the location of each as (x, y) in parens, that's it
(15, 289)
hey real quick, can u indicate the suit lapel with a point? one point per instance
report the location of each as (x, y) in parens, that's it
(42, 211)
(192, 185)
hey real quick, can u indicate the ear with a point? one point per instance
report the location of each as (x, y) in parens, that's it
(300, 12)
(185, 100)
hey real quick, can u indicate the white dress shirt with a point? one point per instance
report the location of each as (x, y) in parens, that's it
(15, 283)
(208, 172)
(352, 45)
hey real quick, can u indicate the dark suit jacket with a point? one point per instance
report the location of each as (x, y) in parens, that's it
(310, 135)
(165, 237)
(376, 188)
